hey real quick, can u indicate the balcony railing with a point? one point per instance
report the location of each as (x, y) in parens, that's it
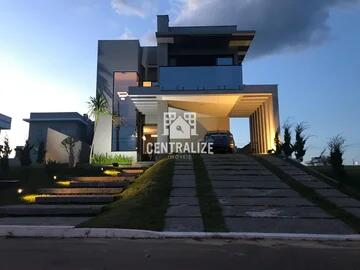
(200, 78)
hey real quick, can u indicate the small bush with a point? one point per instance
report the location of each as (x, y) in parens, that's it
(25, 158)
(5, 151)
(41, 153)
(337, 148)
(287, 147)
(105, 159)
(300, 141)
(278, 144)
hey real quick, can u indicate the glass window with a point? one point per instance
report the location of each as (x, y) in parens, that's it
(124, 110)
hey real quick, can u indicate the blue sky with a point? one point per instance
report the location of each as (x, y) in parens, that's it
(48, 61)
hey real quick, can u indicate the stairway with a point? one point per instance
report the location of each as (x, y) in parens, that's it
(75, 200)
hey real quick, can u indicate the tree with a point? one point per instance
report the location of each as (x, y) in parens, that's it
(287, 147)
(98, 106)
(278, 144)
(300, 141)
(41, 152)
(25, 158)
(69, 144)
(5, 152)
(336, 146)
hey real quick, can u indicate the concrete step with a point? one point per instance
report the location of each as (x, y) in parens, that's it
(74, 199)
(79, 191)
(77, 184)
(50, 210)
(8, 183)
(131, 171)
(44, 220)
(102, 178)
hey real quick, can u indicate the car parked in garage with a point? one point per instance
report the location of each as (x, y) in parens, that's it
(223, 141)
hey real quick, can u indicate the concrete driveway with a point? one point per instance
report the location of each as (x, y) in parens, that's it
(253, 199)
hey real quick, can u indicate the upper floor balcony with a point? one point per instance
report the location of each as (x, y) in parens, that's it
(200, 77)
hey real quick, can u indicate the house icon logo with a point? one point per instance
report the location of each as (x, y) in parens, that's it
(179, 127)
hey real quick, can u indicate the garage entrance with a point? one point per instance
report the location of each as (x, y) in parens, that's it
(240, 129)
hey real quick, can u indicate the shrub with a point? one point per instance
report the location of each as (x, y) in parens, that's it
(5, 151)
(41, 152)
(277, 142)
(337, 148)
(69, 145)
(300, 141)
(287, 147)
(25, 158)
(105, 159)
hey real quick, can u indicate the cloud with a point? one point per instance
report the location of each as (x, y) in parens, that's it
(138, 8)
(127, 34)
(148, 39)
(123, 7)
(280, 25)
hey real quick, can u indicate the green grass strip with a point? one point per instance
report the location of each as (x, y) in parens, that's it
(314, 197)
(143, 204)
(209, 205)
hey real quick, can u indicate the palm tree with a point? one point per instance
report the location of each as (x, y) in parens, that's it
(98, 106)
(118, 121)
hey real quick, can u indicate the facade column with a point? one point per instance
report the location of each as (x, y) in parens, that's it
(251, 126)
(267, 133)
(265, 126)
(262, 129)
(162, 107)
(270, 133)
(257, 132)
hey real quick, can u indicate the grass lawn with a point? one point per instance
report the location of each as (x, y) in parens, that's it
(311, 195)
(143, 204)
(351, 177)
(209, 205)
(33, 178)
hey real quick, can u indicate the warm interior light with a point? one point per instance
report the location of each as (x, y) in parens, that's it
(144, 138)
(147, 84)
(20, 190)
(153, 135)
(54, 177)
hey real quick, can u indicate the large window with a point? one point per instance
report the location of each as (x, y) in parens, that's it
(124, 112)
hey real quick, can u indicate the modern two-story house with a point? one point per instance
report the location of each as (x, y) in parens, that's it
(192, 69)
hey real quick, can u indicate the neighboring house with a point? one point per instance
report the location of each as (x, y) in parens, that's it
(5, 122)
(52, 128)
(192, 69)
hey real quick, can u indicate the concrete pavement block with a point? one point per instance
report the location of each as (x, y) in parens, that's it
(184, 224)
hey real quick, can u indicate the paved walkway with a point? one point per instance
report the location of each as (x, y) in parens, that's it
(335, 196)
(183, 213)
(255, 200)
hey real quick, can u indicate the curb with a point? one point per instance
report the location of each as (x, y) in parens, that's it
(18, 231)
